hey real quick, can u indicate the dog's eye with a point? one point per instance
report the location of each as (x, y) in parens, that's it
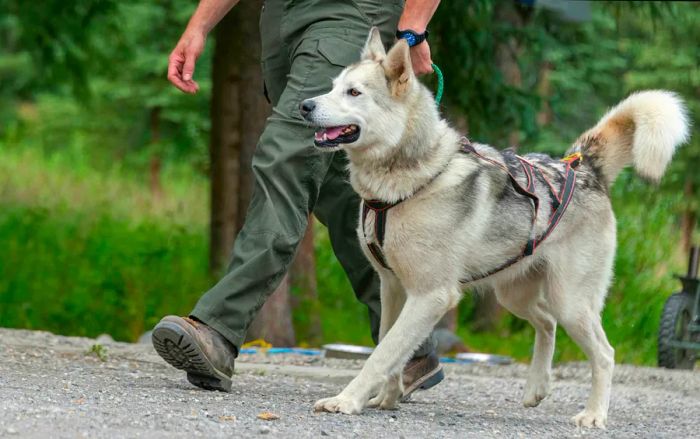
(354, 92)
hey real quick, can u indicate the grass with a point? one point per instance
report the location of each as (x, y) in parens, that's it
(86, 252)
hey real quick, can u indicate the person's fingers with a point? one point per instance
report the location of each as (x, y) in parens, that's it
(174, 73)
(192, 87)
(188, 67)
(176, 68)
(420, 59)
(422, 66)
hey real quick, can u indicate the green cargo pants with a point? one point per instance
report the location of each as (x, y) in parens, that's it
(305, 43)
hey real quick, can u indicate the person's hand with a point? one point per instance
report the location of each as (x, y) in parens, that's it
(182, 61)
(420, 59)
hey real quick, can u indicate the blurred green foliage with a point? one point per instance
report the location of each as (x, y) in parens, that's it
(85, 252)
(85, 248)
(96, 70)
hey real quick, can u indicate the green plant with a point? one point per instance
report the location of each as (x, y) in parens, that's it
(99, 350)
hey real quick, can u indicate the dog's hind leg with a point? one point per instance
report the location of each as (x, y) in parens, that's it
(525, 301)
(577, 299)
(586, 330)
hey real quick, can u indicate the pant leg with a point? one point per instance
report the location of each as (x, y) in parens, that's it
(288, 171)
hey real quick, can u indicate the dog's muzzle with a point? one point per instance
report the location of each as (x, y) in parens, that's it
(327, 137)
(331, 136)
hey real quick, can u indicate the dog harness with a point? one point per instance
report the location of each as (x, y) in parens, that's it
(560, 201)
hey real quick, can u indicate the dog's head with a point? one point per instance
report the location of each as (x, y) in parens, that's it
(368, 103)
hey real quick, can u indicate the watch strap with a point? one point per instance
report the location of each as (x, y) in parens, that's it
(412, 37)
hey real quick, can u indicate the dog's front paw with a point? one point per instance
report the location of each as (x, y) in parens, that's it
(338, 404)
(590, 419)
(536, 390)
(387, 399)
(389, 396)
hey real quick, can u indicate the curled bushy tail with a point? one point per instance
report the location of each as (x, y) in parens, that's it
(645, 129)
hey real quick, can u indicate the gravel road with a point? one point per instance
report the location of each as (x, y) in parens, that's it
(51, 386)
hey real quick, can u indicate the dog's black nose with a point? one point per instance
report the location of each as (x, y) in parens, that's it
(307, 106)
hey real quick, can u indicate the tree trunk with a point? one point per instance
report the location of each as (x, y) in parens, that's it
(446, 334)
(155, 162)
(449, 320)
(237, 85)
(305, 304)
(487, 310)
(274, 321)
(509, 50)
(225, 141)
(688, 219)
(544, 90)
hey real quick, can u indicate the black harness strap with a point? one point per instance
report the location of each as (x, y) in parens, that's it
(380, 209)
(559, 201)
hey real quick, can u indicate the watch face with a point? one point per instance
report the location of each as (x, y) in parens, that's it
(411, 39)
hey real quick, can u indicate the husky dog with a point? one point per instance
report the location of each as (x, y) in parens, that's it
(456, 218)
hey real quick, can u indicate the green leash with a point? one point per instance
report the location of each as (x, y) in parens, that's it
(441, 83)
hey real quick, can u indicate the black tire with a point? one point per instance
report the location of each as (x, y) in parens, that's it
(678, 312)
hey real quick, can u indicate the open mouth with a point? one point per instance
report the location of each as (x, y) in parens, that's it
(334, 136)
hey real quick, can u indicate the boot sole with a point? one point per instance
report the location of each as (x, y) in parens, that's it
(178, 348)
(427, 381)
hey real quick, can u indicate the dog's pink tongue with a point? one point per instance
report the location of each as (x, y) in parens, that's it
(333, 132)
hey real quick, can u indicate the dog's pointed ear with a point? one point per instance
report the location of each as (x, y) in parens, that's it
(374, 48)
(398, 68)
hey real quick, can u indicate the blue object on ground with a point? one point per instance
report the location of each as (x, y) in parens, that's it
(271, 351)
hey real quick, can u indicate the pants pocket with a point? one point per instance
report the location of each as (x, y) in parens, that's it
(339, 52)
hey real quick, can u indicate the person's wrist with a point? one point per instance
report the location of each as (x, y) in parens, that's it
(415, 25)
(416, 29)
(412, 37)
(197, 28)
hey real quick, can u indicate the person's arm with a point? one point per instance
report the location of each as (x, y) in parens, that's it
(416, 16)
(183, 58)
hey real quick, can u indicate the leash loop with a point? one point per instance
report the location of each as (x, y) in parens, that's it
(441, 83)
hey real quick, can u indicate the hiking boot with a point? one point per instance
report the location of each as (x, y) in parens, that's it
(199, 350)
(421, 373)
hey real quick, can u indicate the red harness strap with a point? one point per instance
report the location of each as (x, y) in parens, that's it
(564, 197)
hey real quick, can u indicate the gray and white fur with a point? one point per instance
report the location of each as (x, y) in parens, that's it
(461, 218)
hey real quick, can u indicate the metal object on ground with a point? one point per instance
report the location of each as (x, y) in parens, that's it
(679, 329)
(474, 357)
(348, 351)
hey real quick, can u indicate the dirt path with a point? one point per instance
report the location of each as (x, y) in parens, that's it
(51, 387)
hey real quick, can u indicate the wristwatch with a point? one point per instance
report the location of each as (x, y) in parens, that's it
(412, 37)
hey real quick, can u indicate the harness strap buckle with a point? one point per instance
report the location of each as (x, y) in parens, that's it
(573, 160)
